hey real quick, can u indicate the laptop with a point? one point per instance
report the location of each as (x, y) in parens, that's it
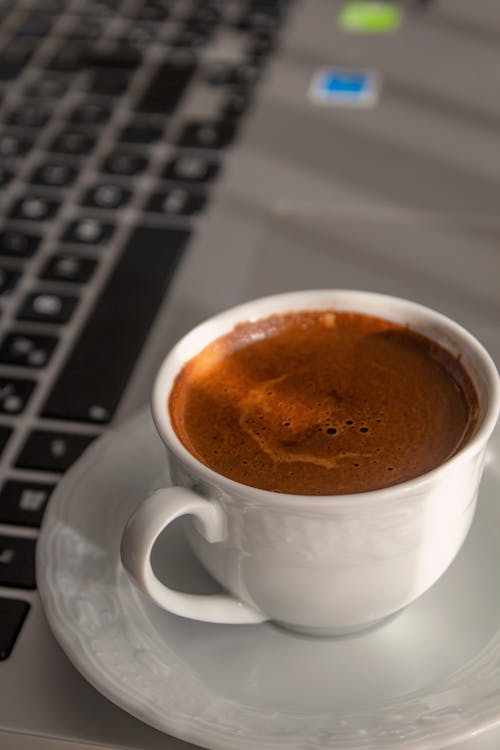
(161, 160)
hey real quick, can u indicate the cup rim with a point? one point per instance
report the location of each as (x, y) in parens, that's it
(227, 319)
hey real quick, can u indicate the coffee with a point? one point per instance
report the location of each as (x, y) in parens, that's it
(323, 403)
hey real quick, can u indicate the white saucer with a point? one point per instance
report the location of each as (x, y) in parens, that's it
(426, 679)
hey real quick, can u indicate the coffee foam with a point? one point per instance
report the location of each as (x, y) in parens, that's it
(322, 403)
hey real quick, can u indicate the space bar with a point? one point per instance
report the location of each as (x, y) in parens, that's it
(96, 372)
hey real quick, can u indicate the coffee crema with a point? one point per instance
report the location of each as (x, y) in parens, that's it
(323, 403)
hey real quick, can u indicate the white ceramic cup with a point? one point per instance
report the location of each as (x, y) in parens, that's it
(323, 565)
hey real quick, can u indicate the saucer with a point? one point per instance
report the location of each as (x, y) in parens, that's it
(427, 678)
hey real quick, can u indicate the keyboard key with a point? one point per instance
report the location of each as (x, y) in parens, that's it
(12, 144)
(88, 231)
(120, 56)
(6, 176)
(54, 173)
(108, 81)
(17, 562)
(47, 307)
(18, 244)
(90, 113)
(47, 450)
(146, 264)
(190, 38)
(69, 58)
(176, 201)
(12, 615)
(8, 280)
(166, 88)
(236, 102)
(140, 134)
(151, 11)
(141, 34)
(14, 394)
(49, 86)
(35, 24)
(85, 28)
(124, 163)
(34, 208)
(68, 267)
(23, 503)
(192, 168)
(27, 349)
(211, 135)
(29, 115)
(5, 433)
(73, 142)
(14, 56)
(107, 196)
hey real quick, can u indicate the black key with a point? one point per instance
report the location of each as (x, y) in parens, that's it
(120, 56)
(54, 173)
(88, 231)
(34, 208)
(6, 176)
(107, 196)
(68, 267)
(141, 34)
(49, 86)
(151, 11)
(124, 163)
(23, 503)
(236, 102)
(14, 394)
(261, 45)
(18, 244)
(5, 433)
(190, 38)
(12, 144)
(27, 349)
(117, 329)
(108, 81)
(211, 135)
(13, 57)
(203, 16)
(69, 58)
(17, 562)
(29, 115)
(140, 134)
(8, 280)
(73, 142)
(178, 200)
(12, 615)
(47, 450)
(90, 28)
(35, 25)
(245, 75)
(166, 88)
(47, 307)
(90, 113)
(192, 168)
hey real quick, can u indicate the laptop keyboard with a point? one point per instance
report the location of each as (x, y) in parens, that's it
(102, 177)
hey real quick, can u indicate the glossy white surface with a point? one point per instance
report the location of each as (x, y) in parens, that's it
(317, 565)
(428, 678)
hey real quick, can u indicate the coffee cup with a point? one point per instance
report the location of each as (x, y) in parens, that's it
(320, 564)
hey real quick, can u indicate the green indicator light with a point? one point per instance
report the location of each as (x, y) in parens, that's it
(370, 17)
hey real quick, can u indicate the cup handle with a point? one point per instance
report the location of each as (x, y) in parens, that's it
(139, 536)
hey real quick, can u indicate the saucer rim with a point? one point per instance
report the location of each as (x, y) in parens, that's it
(195, 733)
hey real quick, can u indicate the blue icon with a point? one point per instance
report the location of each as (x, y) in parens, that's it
(342, 87)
